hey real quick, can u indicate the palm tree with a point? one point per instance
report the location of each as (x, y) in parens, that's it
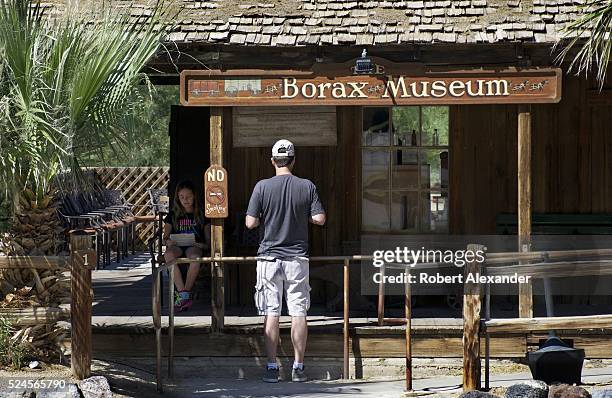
(65, 85)
(589, 36)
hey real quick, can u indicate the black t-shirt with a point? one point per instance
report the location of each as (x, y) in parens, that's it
(186, 224)
(285, 204)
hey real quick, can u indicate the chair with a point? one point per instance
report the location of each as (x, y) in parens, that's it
(76, 219)
(114, 200)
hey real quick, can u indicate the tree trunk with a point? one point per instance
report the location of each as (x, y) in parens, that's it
(35, 230)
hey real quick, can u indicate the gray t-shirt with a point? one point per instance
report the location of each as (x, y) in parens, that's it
(284, 204)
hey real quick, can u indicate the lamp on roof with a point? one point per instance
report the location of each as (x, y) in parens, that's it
(363, 65)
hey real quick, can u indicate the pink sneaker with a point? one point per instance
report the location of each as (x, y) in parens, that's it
(183, 301)
(186, 304)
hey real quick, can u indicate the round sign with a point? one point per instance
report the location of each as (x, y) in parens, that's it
(215, 194)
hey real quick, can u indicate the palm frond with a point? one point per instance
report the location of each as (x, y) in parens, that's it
(589, 36)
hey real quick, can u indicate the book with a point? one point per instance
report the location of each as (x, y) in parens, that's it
(183, 239)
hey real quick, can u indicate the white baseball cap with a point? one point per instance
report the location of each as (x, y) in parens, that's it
(282, 149)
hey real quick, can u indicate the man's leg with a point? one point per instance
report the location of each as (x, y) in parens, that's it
(268, 299)
(271, 336)
(297, 289)
(299, 335)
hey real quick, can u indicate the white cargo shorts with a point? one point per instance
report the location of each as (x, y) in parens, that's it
(278, 276)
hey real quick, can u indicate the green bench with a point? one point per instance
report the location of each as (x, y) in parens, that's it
(558, 224)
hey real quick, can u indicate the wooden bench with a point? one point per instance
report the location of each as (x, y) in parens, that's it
(558, 224)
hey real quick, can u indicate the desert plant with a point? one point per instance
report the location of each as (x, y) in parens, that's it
(65, 85)
(12, 352)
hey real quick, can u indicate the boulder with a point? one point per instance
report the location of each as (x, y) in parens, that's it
(72, 391)
(528, 389)
(95, 387)
(567, 391)
(12, 393)
(477, 394)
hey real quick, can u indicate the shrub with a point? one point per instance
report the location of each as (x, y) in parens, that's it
(12, 353)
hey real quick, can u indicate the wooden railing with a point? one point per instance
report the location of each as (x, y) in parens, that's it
(543, 264)
(79, 264)
(346, 260)
(472, 305)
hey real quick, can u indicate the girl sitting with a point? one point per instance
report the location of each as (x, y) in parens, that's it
(185, 217)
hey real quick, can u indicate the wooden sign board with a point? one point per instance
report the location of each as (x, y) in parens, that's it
(215, 192)
(305, 126)
(289, 88)
(84, 258)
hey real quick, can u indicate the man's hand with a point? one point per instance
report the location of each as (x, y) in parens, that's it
(251, 222)
(318, 219)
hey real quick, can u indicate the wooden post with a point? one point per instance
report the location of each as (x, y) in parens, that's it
(408, 313)
(524, 203)
(216, 233)
(156, 301)
(345, 328)
(171, 321)
(381, 298)
(471, 326)
(80, 306)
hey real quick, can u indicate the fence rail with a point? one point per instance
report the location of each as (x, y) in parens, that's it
(549, 264)
(42, 262)
(80, 264)
(473, 326)
(156, 303)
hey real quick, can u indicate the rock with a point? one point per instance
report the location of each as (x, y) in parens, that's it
(12, 393)
(528, 389)
(567, 391)
(71, 392)
(95, 387)
(602, 394)
(34, 365)
(477, 394)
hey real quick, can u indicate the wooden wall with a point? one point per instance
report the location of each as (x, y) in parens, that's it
(571, 158)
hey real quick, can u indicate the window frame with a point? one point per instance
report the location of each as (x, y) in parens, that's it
(391, 148)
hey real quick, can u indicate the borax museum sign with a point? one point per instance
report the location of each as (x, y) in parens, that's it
(261, 88)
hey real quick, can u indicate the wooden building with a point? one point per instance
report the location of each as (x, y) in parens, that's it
(363, 159)
(421, 168)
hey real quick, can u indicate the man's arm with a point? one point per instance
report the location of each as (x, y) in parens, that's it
(318, 219)
(253, 212)
(317, 213)
(251, 222)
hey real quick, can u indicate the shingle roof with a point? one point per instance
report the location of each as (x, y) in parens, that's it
(338, 22)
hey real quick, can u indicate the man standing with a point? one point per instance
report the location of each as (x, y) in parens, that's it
(285, 204)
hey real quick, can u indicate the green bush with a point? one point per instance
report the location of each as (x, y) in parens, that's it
(12, 354)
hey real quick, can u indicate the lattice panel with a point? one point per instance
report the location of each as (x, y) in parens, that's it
(134, 182)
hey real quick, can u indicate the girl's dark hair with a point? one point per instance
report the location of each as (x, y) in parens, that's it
(177, 208)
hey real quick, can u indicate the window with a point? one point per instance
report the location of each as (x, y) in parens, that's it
(405, 169)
